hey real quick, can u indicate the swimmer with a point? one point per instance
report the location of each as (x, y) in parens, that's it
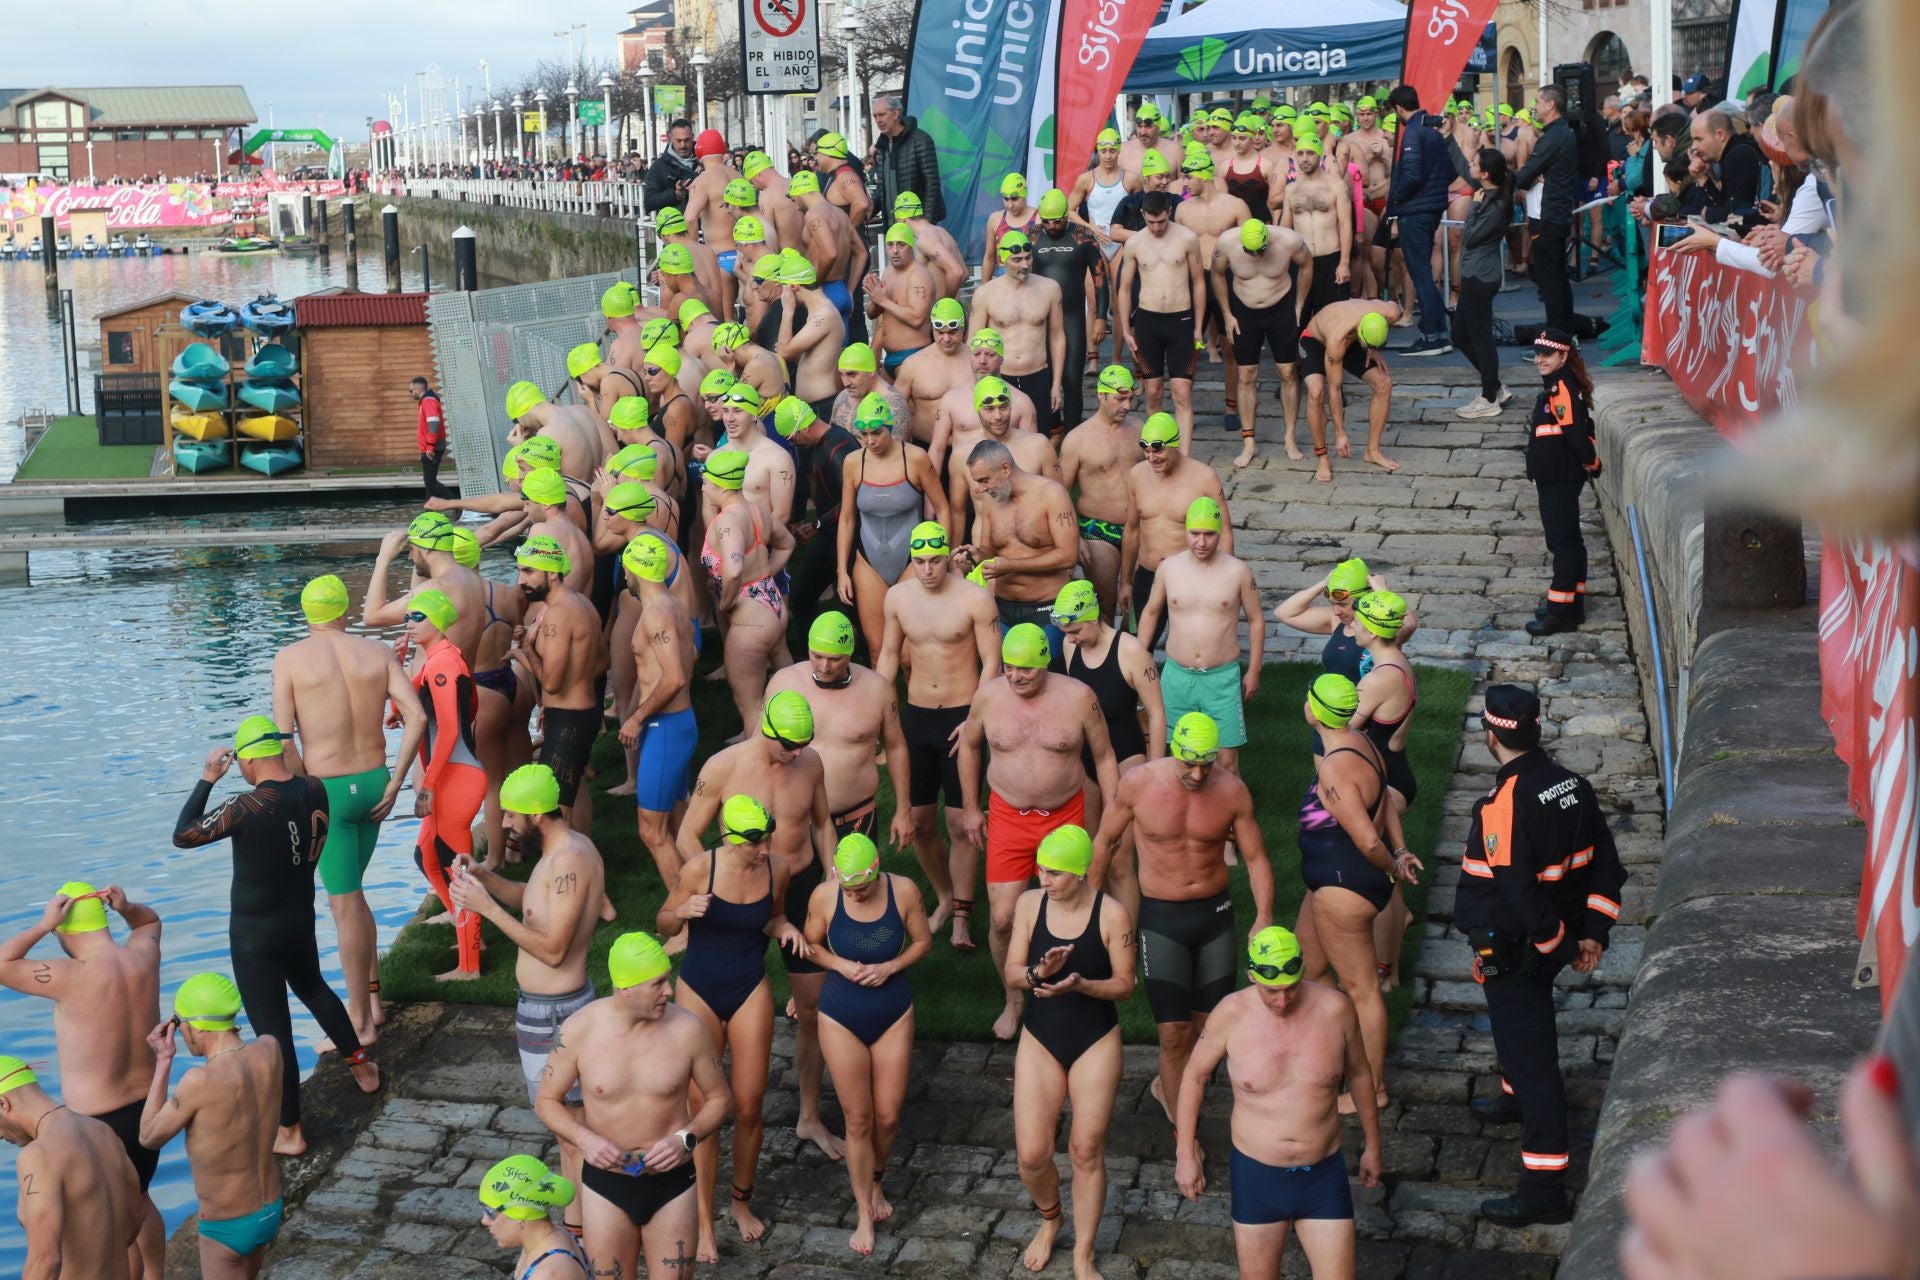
(1162, 486)
(902, 303)
(448, 783)
(1025, 536)
(926, 376)
(565, 654)
(1347, 338)
(80, 1203)
(1388, 693)
(1072, 950)
(660, 729)
(429, 541)
(517, 1199)
(743, 552)
(885, 488)
(227, 1107)
(1095, 460)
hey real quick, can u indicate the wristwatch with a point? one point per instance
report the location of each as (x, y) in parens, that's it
(686, 1137)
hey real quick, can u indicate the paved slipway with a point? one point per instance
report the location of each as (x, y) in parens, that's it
(1456, 531)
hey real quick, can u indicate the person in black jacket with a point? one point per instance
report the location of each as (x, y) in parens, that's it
(1560, 458)
(1551, 179)
(1481, 244)
(906, 158)
(1732, 197)
(672, 171)
(1416, 202)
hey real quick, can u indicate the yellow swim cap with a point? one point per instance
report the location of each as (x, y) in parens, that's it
(207, 1002)
(523, 1189)
(522, 396)
(647, 558)
(1273, 957)
(619, 300)
(323, 599)
(635, 958)
(743, 821)
(631, 501)
(440, 611)
(85, 913)
(634, 462)
(1333, 699)
(629, 413)
(1067, 848)
(466, 547)
(15, 1074)
(532, 788)
(788, 719)
(258, 738)
(545, 486)
(831, 634)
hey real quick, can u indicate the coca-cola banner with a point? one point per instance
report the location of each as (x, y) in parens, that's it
(151, 205)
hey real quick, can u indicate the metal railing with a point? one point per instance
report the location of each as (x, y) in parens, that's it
(590, 199)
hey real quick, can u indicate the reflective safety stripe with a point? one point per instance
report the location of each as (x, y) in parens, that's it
(1504, 1086)
(1558, 870)
(1475, 867)
(1561, 597)
(1581, 587)
(1547, 947)
(1549, 429)
(1605, 906)
(1544, 1163)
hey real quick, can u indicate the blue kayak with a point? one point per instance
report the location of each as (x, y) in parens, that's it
(272, 362)
(267, 316)
(199, 397)
(208, 319)
(269, 397)
(195, 456)
(199, 362)
(271, 459)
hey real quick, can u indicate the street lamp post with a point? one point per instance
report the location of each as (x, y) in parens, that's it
(606, 124)
(647, 149)
(519, 128)
(540, 105)
(700, 61)
(498, 154)
(850, 32)
(573, 119)
(421, 154)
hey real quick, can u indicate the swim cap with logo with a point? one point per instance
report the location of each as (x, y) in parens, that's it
(1204, 515)
(1107, 138)
(1367, 103)
(792, 416)
(1286, 111)
(908, 205)
(755, 163)
(1348, 575)
(258, 737)
(545, 486)
(831, 145)
(1013, 184)
(1307, 142)
(1333, 699)
(86, 913)
(629, 413)
(676, 260)
(928, 541)
(323, 599)
(670, 222)
(1372, 330)
(1253, 235)
(647, 558)
(744, 395)
(1381, 612)
(730, 335)
(873, 414)
(727, 468)
(1075, 603)
(788, 717)
(741, 194)
(831, 634)
(856, 860)
(1067, 848)
(1197, 166)
(1014, 242)
(665, 357)
(692, 309)
(804, 183)
(1274, 949)
(1115, 378)
(466, 547)
(948, 311)
(1147, 111)
(716, 384)
(796, 270)
(523, 1189)
(857, 357)
(634, 462)
(536, 451)
(978, 577)
(991, 388)
(583, 359)
(430, 530)
(658, 331)
(207, 1002)
(439, 610)
(631, 501)
(619, 300)
(1053, 205)
(1161, 428)
(748, 230)
(1153, 162)
(1249, 122)
(740, 816)
(532, 788)
(1025, 645)
(766, 268)
(901, 233)
(15, 1074)
(542, 554)
(635, 958)
(522, 396)
(1195, 739)
(988, 339)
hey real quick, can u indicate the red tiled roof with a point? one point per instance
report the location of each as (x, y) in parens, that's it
(332, 310)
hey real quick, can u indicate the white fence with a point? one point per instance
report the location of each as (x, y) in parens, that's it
(591, 199)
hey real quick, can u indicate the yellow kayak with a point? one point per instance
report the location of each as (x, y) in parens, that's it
(269, 426)
(200, 426)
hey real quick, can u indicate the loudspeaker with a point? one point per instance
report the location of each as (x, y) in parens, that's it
(1576, 80)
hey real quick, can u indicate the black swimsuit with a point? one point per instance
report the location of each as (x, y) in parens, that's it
(1328, 856)
(1068, 1025)
(1380, 733)
(1119, 704)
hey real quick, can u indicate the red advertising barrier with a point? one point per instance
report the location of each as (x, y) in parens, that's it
(147, 205)
(1736, 344)
(1441, 35)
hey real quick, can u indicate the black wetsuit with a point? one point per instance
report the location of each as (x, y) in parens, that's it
(1065, 259)
(1068, 1025)
(277, 830)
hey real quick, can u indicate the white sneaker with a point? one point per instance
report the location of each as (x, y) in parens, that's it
(1478, 407)
(1506, 394)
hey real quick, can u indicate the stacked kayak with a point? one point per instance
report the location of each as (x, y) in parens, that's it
(199, 426)
(272, 363)
(200, 363)
(270, 427)
(274, 396)
(208, 319)
(196, 456)
(198, 397)
(267, 316)
(271, 459)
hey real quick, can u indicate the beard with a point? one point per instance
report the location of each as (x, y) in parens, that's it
(532, 843)
(536, 594)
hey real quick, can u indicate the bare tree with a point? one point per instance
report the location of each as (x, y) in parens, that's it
(885, 44)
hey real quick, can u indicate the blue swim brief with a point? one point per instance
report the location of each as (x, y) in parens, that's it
(726, 258)
(664, 769)
(894, 359)
(247, 1233)
(836, 291)
(1264, 1194)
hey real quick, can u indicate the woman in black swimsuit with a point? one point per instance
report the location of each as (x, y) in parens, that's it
(1387, 696)
(1073, 948)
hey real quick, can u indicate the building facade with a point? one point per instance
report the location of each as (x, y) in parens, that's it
(1614, 35)
(71, 135)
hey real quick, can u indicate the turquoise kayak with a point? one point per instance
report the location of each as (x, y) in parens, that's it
(199, 361)
(272, 362)
(269, 397)
(271, 459)
(195, 456)
(198, 397)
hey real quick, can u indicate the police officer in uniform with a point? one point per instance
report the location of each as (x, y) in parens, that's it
(1560, 460)
(1540, 889)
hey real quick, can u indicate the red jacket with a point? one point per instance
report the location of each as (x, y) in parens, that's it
(431, 430)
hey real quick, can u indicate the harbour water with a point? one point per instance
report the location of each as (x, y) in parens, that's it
(123, 669)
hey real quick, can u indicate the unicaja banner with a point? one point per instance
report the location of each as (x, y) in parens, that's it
(1099, 41)
(975, 76)
(1441, 35)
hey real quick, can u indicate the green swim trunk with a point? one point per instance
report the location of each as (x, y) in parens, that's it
(351, 834)
(1102, 530)
(1214, 691)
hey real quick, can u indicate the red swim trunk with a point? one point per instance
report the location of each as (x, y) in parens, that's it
(1014, 835)
(1377, 204)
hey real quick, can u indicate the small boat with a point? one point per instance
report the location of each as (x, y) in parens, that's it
(35, 247)
(271, 459)
(142, 245)
(63, 247)
(269, 397)
(198, 397)
(207, 319)
(117, 247)
(7, 250)
(272, 362)
(195, 456)
(270, 427)
(198, 362)
(89, 247)
(267, 316)
(199, 426)
(244, 244)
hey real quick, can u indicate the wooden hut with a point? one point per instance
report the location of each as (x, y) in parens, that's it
(358, 353)
(145, 336)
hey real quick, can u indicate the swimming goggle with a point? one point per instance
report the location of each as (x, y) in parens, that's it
(754, 835)
(1274, 972)
(928, 544)
(1154, 446)
(265, 737)
(949, 326)
(994, 402)
(1338, 596)
(652, 370)
(872, 426)
(415, 616)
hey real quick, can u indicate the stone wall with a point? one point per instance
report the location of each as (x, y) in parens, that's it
(513, 246)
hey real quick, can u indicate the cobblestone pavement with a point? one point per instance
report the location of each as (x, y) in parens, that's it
(1457, 532)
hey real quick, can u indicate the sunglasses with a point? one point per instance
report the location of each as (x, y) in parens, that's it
(1275, 972)
(1154, 446)
(995, 402)
(949, 326)
(753, 835)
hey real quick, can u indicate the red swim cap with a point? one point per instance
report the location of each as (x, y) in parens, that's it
(709, 143)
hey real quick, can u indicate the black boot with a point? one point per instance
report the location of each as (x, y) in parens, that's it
(1579, 612)
(1502, 1108)
(1511, 1211)
(1554, 623)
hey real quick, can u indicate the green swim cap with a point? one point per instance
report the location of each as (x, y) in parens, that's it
(874, 414)
(727, 469)
(901, 233)
(539, 451)
(1195, 739)
(86, 914)
(1025, 645)
(1053, 205)
(857, 357)
(631, 501)
(1014, 184)
(755, 164)
(741, 817)
(804, 183)
(670, 222)
(1203, 515)
(788, 718)
(991, 388)
(909, 205)
(15, 1074)
(430, 531)
(856, 860)
(635, 958)
(749, 230)
(988, 339)
(1115, 378)
(466, 547)
(743, 395)
(1348, 575)
(1275, 951)
(532, 788)
(831, 145)
(1154, 163)
(583, 359)
(258, 737)
(766, 268)
(659, 331)
(1381, 612)
(675, 260)
(634, 462)
(1014, 242)
(523, 1189)
(1372, 330)
(1161, 428)
(692, 309)
(716, 384)
(1249, 122)
(543, 554)
(1333, 699)
(629, 413)
(619, 300)
(522, 396)
(1068, 848)
(439, 610)
(1253, 235)
(792, 416)
(978, 577)
(796, 270)
(948, 311)
(731, 335)
(207, 1002)
(323, 599)
(831, 634)
(928, 541)
(544, 486)
(1198, 166)
(741, 194)
(1107, 138)
(647, 558)
(1076, 603)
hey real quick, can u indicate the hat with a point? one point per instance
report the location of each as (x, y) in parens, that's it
(258, 738)
(1509, 708)
(85, 912)
(675, 260)
(430, 531)
(1147, 111)
(532, 788)
(901, 233)
(1308, 143)
(1333, 699)
(1381, 612)
(856, 860)
(1197, 166)
(1066, 848)
(1695, 84)
(796, 270)
(1014, 242)
(207, 1002)
(439, 610)
(631, 501)
(1195, 739)
(743, 820)
(744, 395)
(585, 358)
(928, 541)
(1274, 951)
(741, 194)
(709, 143)
(523, 1189)
(323, 599)
(670, 222)
(15, 1074)
(1014, 184)
(792, 416)
(1554, 339)
(1107, 138)
(857, 357)
(1114, 379)
(1161, 428)
(788, 716)
(692, 309)
(1053, 205)
(991, 388)
(659, 330)
(766, 267)
(1153, 162)
(755, 164)
(1367, 103)
(1372, 330)
(1204, 515)
(1253, 235)
(730, 336)
(831, 634)
(1348, 575)
(466, 547)
(831, 145)
(522, 396)
(948, 311)
(667, 357)
(619, 300)
(545, 486)
(1286, 111)
(1025, 645)
(1221, 115)
(804, 183)
(716, 383)
(908, 205)
(636, 958)
(988, 339)
(647, 558)
(1076, 603)
(727, 468)
(874, 413)
(1248, 122)
(542, 554)
(748, 230)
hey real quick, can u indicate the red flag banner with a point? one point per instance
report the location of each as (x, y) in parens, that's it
(1099, 39)
(1441, 35)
